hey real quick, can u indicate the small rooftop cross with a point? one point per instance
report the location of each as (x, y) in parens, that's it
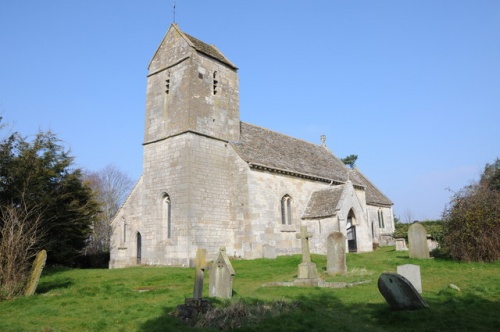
(199, 265)
(304, 237)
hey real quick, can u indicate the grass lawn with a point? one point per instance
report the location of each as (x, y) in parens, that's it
(142, 298)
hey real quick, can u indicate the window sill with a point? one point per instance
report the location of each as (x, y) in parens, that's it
(288, 228)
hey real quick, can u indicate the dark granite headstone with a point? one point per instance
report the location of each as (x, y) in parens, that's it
(399, 292)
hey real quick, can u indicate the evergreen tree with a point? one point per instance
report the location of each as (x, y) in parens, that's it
(39, 175)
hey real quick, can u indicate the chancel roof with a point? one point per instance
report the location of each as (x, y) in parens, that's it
(263, 148)
(323, 203)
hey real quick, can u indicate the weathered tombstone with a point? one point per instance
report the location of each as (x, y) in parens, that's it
(401, 245)
(36, 272)
(221, 276)
(399, 292)
(307, 269)
(412, 274)
(417, 238)
(196, 305)
(268, 251)
(199, 269)
(335, 253)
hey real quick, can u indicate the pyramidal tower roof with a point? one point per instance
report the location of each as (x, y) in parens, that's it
(209, 50)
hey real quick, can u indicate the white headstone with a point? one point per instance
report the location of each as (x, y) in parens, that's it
(412, 273)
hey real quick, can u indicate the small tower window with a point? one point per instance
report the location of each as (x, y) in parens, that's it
(215, 83)
(167, 84)
(286, 210)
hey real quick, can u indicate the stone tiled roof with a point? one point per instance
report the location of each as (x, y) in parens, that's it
(268, 149)
(323, 203)
(209, 50)
(373, 195)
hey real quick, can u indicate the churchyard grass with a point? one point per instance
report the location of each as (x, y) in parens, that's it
(142, 298)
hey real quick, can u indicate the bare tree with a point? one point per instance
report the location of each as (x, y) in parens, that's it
(408, 216)
(20, 237)
(110, 186)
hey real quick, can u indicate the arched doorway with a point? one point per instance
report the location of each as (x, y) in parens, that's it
(351, 232)
(139, 248)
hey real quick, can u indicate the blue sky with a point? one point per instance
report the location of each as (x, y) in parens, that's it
(411, 87)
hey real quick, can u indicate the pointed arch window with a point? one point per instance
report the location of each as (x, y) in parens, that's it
(286, 210)
(167, 214)
(381, 223)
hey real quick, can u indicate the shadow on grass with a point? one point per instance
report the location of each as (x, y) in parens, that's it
(47, 286)
(51, 281)
(447, 312)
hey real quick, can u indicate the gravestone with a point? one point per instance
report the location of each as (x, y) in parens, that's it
(268, 251)
(399, 292)
(401, 245)
(36, 272)
(307, 269)
(412, 274)
(196, 305)
(417, 238)
(336, 253)
(221, 276)
(199, 269)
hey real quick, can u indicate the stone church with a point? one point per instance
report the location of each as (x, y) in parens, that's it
(210, 180)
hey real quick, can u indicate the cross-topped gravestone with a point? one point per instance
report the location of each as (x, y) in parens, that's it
(200, 266)
(304, 237)
(307, 269)
(221, 276)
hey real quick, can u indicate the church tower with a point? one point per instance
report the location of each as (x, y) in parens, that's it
(191, 87)
(192, 116)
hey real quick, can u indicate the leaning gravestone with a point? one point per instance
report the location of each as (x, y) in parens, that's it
(399, 292)
(307, 269)
(36, 272)
(417, 238)
(412, 274)
(336, 253)
(221, 276)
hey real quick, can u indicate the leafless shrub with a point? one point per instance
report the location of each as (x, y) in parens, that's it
(20, 234)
